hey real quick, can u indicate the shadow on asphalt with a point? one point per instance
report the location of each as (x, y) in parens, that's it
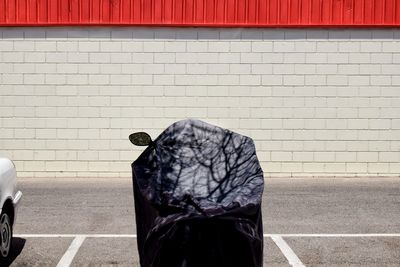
(17, 246)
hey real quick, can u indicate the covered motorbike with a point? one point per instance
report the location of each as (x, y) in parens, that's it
(197, 191)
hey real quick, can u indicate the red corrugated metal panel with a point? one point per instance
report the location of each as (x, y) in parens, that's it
(218, 13)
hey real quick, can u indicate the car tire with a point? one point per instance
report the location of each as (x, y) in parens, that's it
(6, 233)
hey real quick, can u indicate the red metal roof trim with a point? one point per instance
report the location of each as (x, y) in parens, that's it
(205, 13)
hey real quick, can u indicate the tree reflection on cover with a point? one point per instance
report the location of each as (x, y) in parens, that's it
(201, 167)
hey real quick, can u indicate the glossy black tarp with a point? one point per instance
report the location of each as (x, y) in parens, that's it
(197, 191)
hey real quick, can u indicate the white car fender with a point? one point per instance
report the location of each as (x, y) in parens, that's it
(8, 184)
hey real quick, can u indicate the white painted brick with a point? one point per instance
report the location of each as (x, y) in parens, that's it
(131, 68)
(337, 80)
(324, 156)
(317, 58)
(34, 78)
(99, 123)
(293, 102)
(377, 58)
(88, 112)
(6, 45)
(367, 156)
(368, 47)
(66, 156)
(24, 45)
(378, 167)
(9, 68)
(379, 124)
(272, 57)
(293, 80)
(294, 58)
(229, 58)
(46, 46)
(217, 46)
(250, 80)
(381, 80)
(22, 155)
(272, 167)
(113, 46)
(120, 79)
(392, 69)
(90, 57)
(67, 46)
(305, 46)
(75, 57)
(78, 166)
(24, 133)
(345, 156)
(240, 46)
(218, 69)
(88, 46)
(359, 80)
(175, 46)
(44, 155)
(348, 69)
(347, 46)
(263, 46)
(335, 167)
(339, 58)
(120, 101)
(55, 79)
(283, 46)
(13, 78)
(56, 57)
(389, 156)
(370, 69)
(327, 47)
(281, 156)
(78, 122)
(98, 79)
(27, 57)
(305, 69)
(394, 167)
(34, 166)
(251, 58)
(359, 58)
(292, 167)
(283, 69)
(164, 58)
(120, 58)
(391, 47)
(293, 123)
(67, 68)
(327, 68)
(315, 80)
(163, 79)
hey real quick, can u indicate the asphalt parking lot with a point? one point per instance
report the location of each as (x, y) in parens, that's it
(307, 222)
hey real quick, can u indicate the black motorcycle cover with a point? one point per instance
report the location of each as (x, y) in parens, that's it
(197, 191)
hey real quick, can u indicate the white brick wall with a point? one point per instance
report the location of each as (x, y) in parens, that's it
(316, 102)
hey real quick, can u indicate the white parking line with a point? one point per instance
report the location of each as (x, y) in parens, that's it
(336, 235)
(287, 251)
(265, 235)
(75, 235)
(69, 255)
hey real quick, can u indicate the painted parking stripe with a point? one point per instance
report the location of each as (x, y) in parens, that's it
(336, 235)
(74, 235)
(265, 235)
(69, 255)
(287, 251)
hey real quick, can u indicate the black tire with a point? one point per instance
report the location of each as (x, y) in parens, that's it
(6, 235)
